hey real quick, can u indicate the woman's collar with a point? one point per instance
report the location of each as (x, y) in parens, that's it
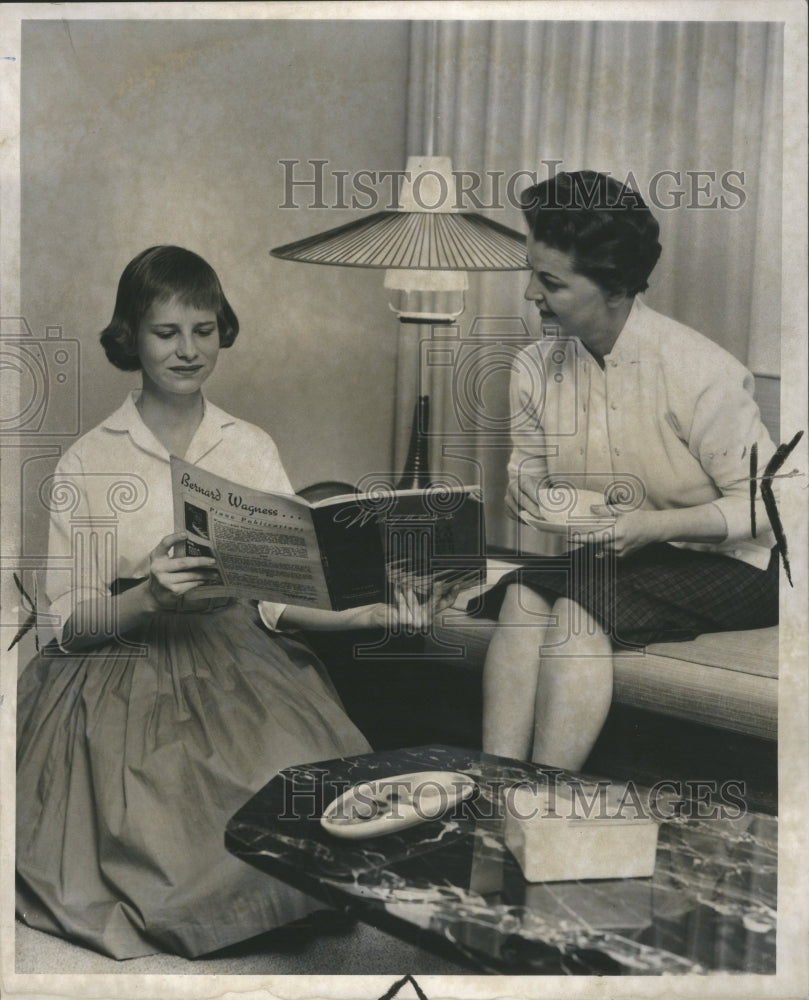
(627, 346)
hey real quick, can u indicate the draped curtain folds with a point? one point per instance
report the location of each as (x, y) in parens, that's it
(695, 105)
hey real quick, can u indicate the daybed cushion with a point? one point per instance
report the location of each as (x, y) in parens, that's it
(727, 679)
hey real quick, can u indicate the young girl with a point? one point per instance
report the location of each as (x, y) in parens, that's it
(153, 717)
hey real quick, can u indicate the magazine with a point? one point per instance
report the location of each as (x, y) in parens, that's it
(337, 553)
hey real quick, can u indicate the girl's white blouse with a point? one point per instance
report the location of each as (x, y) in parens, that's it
(110, 499)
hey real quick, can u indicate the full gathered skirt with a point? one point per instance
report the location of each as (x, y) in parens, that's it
(131, 760)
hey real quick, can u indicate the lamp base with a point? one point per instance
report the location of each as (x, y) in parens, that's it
(416, 472)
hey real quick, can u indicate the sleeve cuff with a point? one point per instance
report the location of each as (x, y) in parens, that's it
(270, 613)
(736, 513)
(51, 624)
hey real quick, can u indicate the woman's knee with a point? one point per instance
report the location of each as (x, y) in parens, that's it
(576, 627)
(525, 606)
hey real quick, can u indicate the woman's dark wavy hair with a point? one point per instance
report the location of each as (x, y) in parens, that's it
(604, 225)
(155, 275)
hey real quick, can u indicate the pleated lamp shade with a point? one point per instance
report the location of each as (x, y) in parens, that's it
(426, 252)
(443, 241)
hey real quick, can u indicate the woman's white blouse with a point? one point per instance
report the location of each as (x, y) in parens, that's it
(671, 416)
(111, 500)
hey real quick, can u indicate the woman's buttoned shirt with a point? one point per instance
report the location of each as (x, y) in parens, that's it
(670, 420)
(111, 498)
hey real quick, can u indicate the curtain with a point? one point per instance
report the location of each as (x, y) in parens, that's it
(688, 113)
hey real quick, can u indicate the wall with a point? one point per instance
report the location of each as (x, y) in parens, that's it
(136, 133)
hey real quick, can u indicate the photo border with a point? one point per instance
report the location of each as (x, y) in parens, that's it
(793, 920)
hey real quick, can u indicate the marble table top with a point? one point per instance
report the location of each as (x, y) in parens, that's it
(710, 904)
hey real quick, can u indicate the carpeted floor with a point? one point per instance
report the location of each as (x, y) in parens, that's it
(362, 950)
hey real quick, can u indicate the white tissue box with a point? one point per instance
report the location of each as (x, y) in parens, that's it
(579, 832)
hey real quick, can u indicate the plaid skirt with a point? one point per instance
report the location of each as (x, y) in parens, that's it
(661, 594)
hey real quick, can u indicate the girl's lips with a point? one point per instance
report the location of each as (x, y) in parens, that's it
(189, 370)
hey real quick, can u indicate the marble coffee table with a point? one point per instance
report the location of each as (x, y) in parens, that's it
(452, 885)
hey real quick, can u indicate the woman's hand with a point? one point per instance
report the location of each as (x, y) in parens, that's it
(521, 495)
(637, 528)
(632, 531)
(171, 577)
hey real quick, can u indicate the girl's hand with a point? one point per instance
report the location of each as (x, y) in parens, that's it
(632, 531)
(412, 612)
(170, 577)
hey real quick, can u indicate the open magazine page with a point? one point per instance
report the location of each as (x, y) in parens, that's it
(264, 545)
(400, 538)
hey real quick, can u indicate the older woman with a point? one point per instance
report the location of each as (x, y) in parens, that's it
(619, 395)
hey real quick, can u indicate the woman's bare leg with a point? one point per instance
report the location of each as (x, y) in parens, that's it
(510, 673)
(574, 691)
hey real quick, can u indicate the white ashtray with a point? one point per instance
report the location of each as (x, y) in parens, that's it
(388, 805)
(586, 831)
